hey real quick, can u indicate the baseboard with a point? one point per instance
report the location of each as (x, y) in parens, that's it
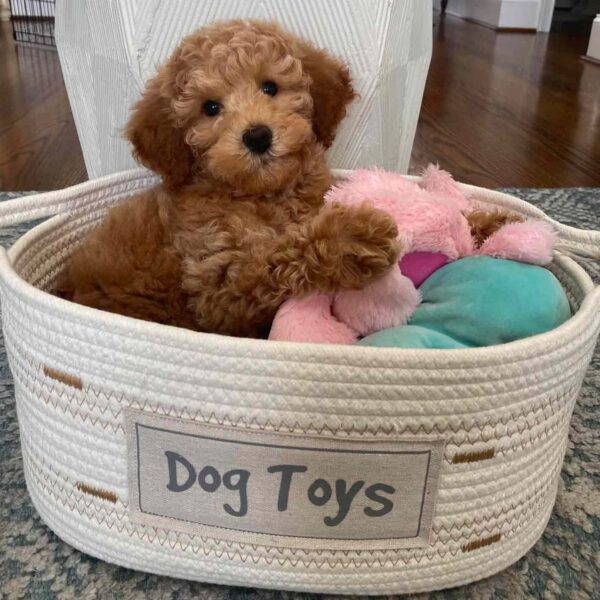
(516, 29)
(590, 59)
(514, 16)
(495, 28)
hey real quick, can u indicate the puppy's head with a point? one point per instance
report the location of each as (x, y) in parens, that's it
(241, 102)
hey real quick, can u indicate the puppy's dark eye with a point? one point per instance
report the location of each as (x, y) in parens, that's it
(211, 108)
(269, 88)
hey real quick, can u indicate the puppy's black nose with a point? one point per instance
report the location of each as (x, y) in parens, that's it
(258, 139)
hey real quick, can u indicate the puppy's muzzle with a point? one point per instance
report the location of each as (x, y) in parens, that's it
(258, 139)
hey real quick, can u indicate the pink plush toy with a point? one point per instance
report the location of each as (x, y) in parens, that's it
(437, 224)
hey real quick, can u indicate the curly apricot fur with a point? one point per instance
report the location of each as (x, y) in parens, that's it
(484, 223)
(230, 235)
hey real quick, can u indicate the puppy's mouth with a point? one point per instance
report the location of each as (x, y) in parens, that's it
(263, 145)
(260, 159)
(272, 164)
(248, 173)
(264, 160)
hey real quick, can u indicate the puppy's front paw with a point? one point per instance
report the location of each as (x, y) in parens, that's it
(367, 245)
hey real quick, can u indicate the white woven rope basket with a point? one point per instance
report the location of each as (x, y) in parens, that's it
(493, 421)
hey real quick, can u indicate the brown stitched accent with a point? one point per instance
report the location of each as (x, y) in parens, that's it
(92, 491)
(135, 530)
(69, 380)
(481, 543)
(558, 402)
(469, 457)
(524, 505)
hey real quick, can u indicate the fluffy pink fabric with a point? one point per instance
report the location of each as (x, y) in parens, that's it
(385, 303)
(430, 218)
(530, 241)
(310, 320)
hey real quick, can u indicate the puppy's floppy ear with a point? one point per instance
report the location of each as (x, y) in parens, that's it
(157, 142)
(331, 90)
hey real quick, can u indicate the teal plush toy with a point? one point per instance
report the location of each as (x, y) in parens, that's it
(480, 301)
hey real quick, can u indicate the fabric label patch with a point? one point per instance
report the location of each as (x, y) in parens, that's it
(283, 489)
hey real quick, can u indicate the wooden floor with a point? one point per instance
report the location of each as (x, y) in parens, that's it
(500, 109)
(39, 149)
(510, 109)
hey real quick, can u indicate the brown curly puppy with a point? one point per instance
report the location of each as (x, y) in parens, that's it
(484, 223)
(237, 123)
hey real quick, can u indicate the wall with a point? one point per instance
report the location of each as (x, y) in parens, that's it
(519, 14)
(484, 11)
(546, 13)
(594, 47)
(510, 14)
(4, 10)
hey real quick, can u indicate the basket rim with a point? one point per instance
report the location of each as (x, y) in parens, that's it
(357, 355)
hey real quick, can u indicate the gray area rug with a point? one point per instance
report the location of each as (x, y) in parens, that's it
(565, 563)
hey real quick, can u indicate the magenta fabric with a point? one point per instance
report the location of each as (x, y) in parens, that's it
(418, 266)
